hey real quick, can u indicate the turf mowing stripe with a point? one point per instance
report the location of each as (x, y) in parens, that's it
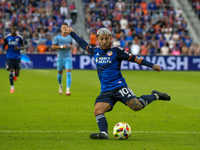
(180, 132)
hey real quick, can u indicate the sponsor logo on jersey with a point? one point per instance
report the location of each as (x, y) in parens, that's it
(103, 60)
(17, 40)
(13, 43)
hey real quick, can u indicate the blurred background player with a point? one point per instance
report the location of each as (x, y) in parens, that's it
(13, 43)
(63, 42)
(114, 88)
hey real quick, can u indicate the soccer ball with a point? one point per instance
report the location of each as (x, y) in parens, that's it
(122, 131)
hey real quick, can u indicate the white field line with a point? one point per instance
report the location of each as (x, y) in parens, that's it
(161, 132)
(44, 71)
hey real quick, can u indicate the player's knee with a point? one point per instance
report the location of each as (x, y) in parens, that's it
(17, 74)
(97, 111)
(137, 108)
(135, 104)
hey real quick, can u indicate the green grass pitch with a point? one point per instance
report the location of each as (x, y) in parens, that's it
(37, 117)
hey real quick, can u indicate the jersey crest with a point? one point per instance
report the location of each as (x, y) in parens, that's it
(109, 53)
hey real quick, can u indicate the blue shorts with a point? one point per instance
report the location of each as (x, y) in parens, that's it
(122, 94)
(64, 64)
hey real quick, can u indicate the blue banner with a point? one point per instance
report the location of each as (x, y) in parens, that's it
(48, 61)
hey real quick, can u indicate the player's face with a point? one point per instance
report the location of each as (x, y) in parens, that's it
(13, 30)
(64, 28)
(104, 41)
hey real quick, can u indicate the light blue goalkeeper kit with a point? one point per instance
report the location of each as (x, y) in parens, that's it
(108, 63)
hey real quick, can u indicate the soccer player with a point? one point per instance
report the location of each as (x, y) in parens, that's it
(63, 42)
(14, 43)
(114, 88)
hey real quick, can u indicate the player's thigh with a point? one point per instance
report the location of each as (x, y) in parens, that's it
(124, 94)
(101, 108)
(60, 65)
(9, 64)
(17, 66)
(68, 64)
(105, 97)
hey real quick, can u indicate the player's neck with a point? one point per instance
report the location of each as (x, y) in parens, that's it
(13, 34)
(64, 34)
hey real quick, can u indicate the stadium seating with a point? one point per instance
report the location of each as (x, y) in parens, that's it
(132, 22)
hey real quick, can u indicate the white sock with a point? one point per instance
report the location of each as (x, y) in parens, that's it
(157, 97)
(104, 133)
(12, 87)
(68, 89)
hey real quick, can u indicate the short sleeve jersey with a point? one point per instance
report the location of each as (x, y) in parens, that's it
(11, 42)
(63, 40)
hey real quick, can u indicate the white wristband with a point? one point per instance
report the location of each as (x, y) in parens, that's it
(61, 46)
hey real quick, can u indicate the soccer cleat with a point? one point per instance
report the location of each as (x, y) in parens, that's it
(100, 135)
(162, 96)
(60, 89)
(12, 90)
(68, 91)
(15, 78)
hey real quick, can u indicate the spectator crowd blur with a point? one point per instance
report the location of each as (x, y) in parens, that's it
(145, 27)
(36, 20)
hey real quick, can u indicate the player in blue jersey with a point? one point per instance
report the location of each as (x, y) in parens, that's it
(114, 88)
(14, 43)
(63, 42)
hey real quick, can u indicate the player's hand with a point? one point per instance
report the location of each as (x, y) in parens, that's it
(65, 46)
(16, 48)
(156, 67)
(1, 52)
(69, 29)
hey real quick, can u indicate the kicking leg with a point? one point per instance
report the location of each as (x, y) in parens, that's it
(100, 109)
(135, 104)
(161, 96)
(139, 103)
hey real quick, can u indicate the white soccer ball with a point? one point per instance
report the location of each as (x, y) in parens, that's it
(122, 131)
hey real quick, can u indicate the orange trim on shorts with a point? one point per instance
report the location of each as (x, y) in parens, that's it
(130, 57)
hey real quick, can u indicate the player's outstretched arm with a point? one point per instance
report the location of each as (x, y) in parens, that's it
(82, 43)
(133, 58)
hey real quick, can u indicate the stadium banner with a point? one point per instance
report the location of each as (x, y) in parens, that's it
(48, 61)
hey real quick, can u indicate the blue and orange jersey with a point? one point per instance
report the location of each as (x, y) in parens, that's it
(108, 63)
(63, 40)
(12, 41)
